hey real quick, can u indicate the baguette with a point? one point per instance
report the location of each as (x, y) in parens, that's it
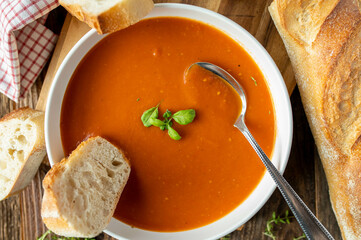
(108, 16)
(323, 41)
(22, 149)
(82, 191)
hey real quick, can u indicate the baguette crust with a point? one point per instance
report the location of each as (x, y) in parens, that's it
(29, 166)
(59, 217)
(50, 212)
(121, 15)
(327, 67)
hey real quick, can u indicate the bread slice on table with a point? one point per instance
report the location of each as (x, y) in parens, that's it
(323, 41)
(82, 191)
(108, 15)
(22, 149)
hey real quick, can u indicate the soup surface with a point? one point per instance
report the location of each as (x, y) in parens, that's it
(174, 185)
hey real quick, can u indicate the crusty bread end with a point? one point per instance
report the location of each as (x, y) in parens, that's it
(22, 149)
(108, 16)
(82, 191)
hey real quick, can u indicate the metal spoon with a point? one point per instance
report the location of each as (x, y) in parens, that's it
(310, 225)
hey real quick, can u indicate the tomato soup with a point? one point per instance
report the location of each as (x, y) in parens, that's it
(174, 185)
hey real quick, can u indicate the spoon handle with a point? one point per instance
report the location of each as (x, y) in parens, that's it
(312, 228)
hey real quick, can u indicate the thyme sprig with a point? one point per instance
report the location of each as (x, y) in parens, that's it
(276, 220)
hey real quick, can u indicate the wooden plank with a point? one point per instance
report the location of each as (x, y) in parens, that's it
(10, 218)
(70, 34)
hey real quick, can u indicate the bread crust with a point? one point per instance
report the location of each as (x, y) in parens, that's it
(327, 68)
(120, 16)
(37, 154)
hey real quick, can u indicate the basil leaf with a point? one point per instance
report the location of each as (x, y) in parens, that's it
(151, 113)
(173, 133)
(156, 122)
(184, 117)
(166, 124)
(167, 114)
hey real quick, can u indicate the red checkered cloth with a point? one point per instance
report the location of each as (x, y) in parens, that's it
(25, 44)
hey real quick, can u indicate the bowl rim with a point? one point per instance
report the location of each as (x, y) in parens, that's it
(286, 143)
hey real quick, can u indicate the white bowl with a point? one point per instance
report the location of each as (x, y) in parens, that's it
(283, 115)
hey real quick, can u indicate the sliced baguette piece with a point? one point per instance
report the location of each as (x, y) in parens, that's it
(108, 16)
(323, 41)
(82, 191)
(22, 149)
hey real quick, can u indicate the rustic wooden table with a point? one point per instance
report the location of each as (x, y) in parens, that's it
(20, 215)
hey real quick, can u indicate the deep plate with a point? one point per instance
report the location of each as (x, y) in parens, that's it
(280, 98)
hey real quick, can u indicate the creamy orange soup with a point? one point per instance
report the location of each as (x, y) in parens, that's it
(174, 185)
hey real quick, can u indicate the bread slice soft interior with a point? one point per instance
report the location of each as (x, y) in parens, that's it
(82, 191)
(108, 15)
(22, 149)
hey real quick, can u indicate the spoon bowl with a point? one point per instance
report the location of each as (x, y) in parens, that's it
(310, 225)
(223, 74)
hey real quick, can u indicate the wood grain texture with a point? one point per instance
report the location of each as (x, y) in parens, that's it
(10, 218)
(304, 171)
(63, 46)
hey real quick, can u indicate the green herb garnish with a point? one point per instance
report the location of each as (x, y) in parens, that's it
(61, 238)
(183, 117)
(44, 235)
(157, 123)
(173, 134)
(151, 113)
(138, 99)
(275, 220)
(303, 236)
(167, 115)
(254, 80)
